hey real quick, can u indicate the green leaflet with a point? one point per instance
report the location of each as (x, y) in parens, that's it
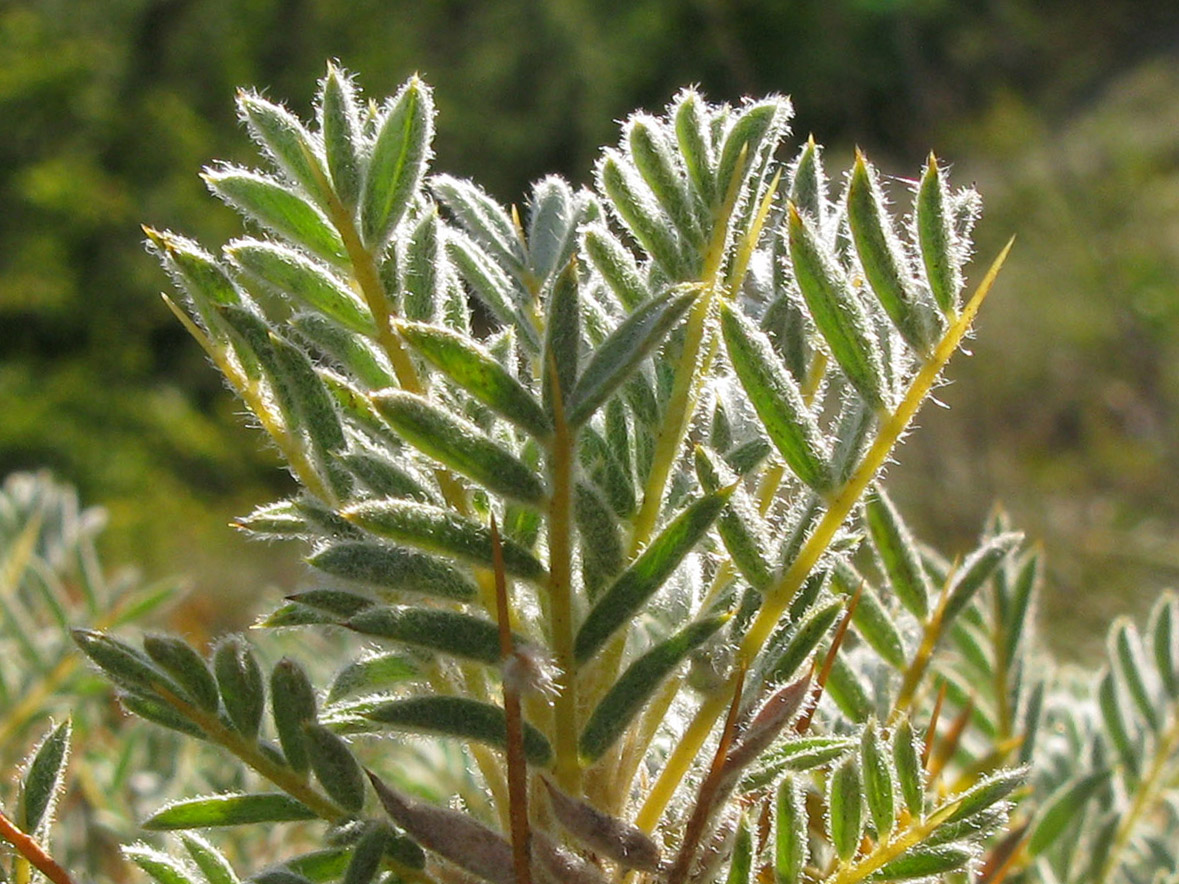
(368, 855)
(630, 198)
(848, 692)
(397, 163)
(909, 770)
(159, 712)
(492, 285)
(879, 790)
(161, 867)
(655, 161)
(788, 332)
(320, 418)
(926, 862)
(288, 273)
(356, 355)
(555, 213)
(1061, 808)
(228, 810)
(976, 570)
(836, 310)
(43, 779)
(279, 209)
(371, 674)
(439, 530)
(797, 754)
(393, 569)
(424, 280)
(1162, 643)
(123, 664)
(870, 619)
(845, 804)
(883, 258)
(338, 604)
(562, 350)
(741, 862)
(802, 639)
(642, 579)
(460, 445)
(288, 143)
(758, 128)
(776, 399)
(184, 664)
(315, 867)
(335, 767)
(791, 839)
(616, 265)
(483, 219)
(808, 183)
(740, 526)
(634, 687)
(935, 236)
(292, 700)
(1024, 589)
(239, 678)
(898, 553)
(384, 477)
(212, 863)
(984, 794)
(459, 717)
(617, 357)
(604, 466)
(695, 143)
(342, 137)
(601, 543)
(1117, 727)
(1127, 651)
(448, 632)
(480, 374)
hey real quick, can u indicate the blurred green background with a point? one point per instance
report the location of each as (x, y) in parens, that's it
(1066, 114)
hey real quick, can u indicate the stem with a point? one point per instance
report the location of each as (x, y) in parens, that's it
(517, 765)
(889, 434)
(369, 280)
(706, 799)
(293, 453)
(560, 532)
(915, 671)
(33, 852)
(364, 269)
(682, 404)
(247, 751)
(885, 853)
(780, 595)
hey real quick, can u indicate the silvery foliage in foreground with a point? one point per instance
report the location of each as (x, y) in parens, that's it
(594, 485)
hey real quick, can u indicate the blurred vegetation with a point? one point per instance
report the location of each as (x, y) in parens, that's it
(1067, 119)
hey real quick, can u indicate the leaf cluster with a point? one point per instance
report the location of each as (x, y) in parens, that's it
(598, 484)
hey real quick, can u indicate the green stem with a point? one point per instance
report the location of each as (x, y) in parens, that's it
(682, 404)
(780, 594)
(364, 269)
(292, 451)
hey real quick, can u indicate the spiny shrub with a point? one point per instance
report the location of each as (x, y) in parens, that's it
(591, 495)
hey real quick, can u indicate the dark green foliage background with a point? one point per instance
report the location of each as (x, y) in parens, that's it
(1064, 113)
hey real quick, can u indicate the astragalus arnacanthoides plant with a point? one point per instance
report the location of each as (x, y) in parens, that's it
(588, 485)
